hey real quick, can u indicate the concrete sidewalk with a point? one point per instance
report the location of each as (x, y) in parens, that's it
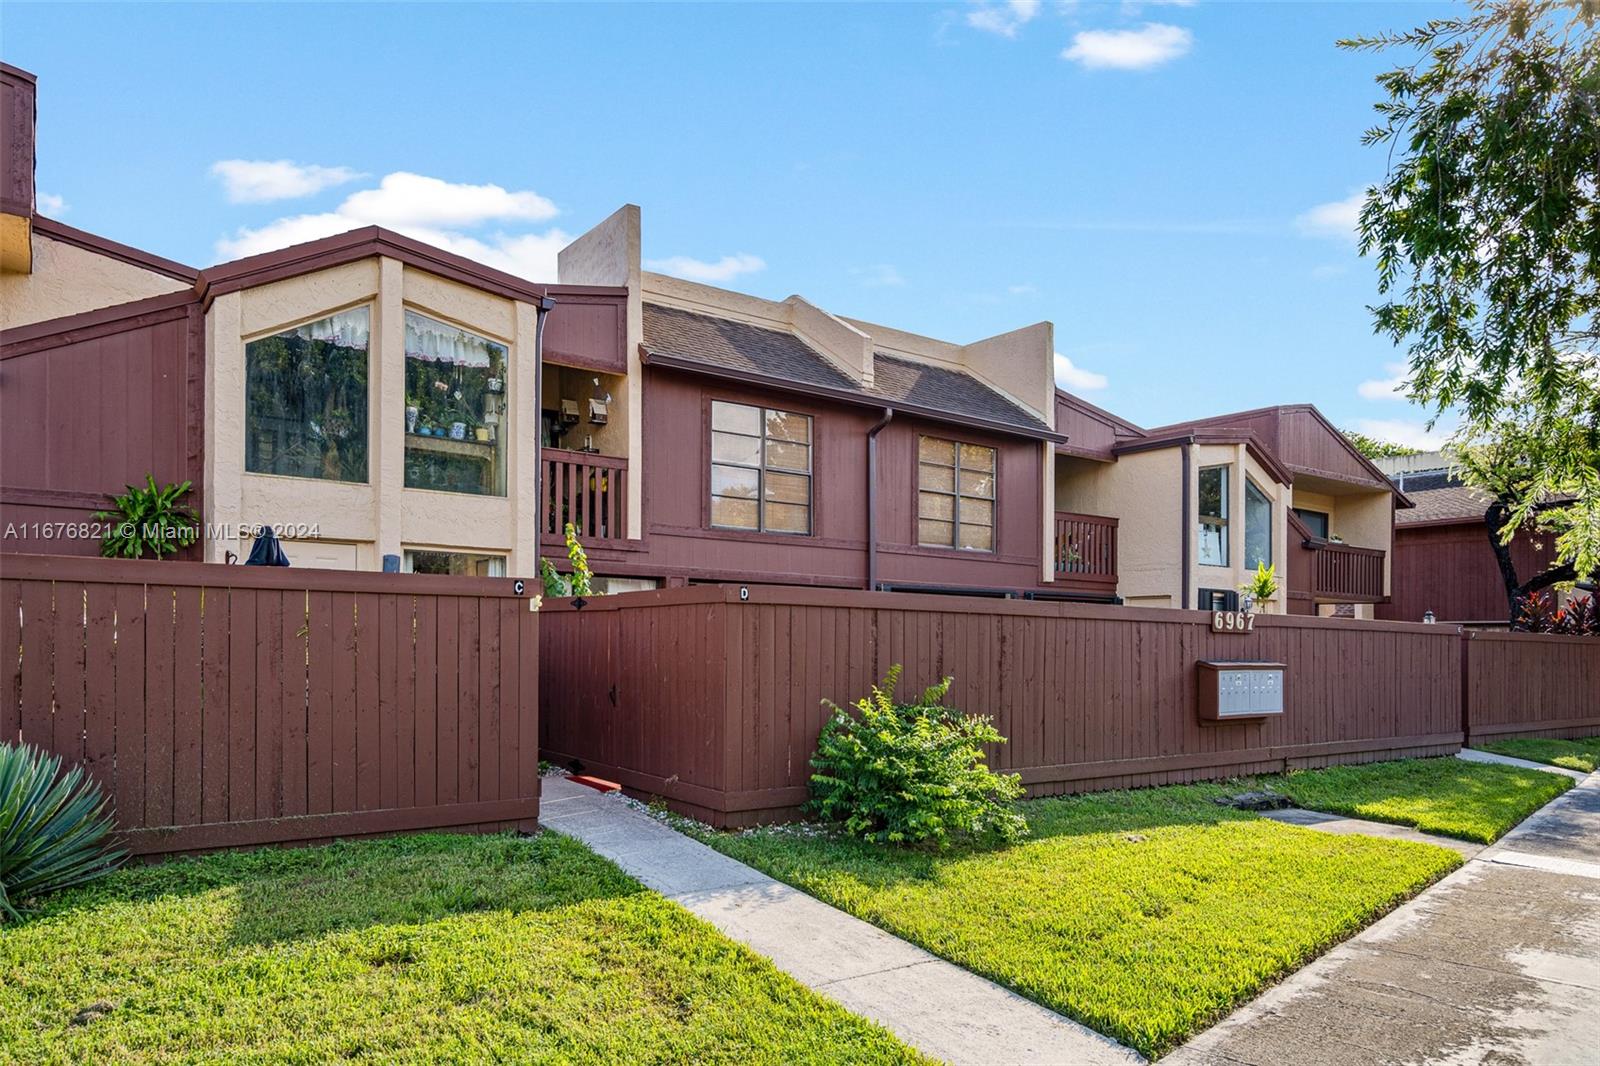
(1474, 755)
(936, 1007)
(1498, 963)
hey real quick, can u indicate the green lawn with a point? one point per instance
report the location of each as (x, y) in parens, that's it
(415, 949)
(1146, 915)
(1581, 755)
(1470, 800)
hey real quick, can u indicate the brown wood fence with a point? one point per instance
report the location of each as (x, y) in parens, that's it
(224, 706)
(1525, 684)
(714, 702)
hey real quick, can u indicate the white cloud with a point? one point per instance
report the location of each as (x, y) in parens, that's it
(50, 204)
(1003, 19)
(724, 269)
(430, 210)
(1400, 431)
(253, 181)
(1392, 387)
(1336, 219)
(1151, 45)
(1023, 290)
(883, 275)
(1075, 378)
(404, 199)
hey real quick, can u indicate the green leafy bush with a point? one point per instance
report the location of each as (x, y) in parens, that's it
(53, 827)
(148, 520)
(912, 773)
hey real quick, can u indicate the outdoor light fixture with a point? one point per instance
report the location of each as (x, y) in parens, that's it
(1427, 618)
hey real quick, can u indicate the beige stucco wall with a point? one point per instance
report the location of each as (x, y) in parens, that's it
(382, 517)
(612, 254)
(1143, 490)
(68, 280)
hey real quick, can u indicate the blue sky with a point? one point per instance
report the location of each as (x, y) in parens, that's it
(1169, 183)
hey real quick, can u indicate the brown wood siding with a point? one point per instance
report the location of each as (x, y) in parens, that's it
(587, 330)
(1527, 684)
(679, 543)
(230, 706)
(92, 403)
(18, 93)
(715, 703)
(1451, 571)
(1090, 432)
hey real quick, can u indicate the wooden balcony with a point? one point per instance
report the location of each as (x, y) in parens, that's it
(588, 490)
(1085, 552)
(1343, 573)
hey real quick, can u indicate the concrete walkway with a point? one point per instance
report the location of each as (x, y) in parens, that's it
(1497, 963)
(1474, 755)
(1342, 826)
(935, 1006)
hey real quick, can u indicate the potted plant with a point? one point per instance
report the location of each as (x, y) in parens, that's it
(1261, 588)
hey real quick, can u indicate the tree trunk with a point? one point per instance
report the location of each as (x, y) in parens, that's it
(1517, 594)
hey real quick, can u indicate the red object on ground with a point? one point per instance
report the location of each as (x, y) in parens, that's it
(599, 784)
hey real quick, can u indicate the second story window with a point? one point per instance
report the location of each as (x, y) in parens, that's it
(955, 495)
(760, 469)
(1257, 526)
(305, 400)
(1213, 516)
(455, 409)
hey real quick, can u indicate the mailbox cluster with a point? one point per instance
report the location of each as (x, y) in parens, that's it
(1234, 690)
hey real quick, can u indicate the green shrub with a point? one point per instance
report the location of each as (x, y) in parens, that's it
(912, 773)
(580, 583)
(53, 827)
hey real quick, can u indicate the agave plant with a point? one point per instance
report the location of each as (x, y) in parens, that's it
(53, 827)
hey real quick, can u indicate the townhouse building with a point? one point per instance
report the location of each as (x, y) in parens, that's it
(391, 405)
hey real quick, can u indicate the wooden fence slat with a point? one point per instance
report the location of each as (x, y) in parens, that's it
(160, 704)
(11, 667)
(187, 708)
(67, 644)
(216, 675)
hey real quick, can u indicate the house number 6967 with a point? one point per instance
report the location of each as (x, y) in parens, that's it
(1232, 622)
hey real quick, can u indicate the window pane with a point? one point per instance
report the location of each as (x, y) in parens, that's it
(936, 505)
(306, 400)
(974, 457)
(735, 514)
(788, 518)
(934, 450)
(977, 512)
(1214, 491)
(734, 448)
(736, 418)
(1257, 526)
(465, 564)
(789, 488)
(781, 455)
(781, 425)
(734, 481)
(977, 483)
(934, 533)
(976, 538)
(1315, 521)
(455, 417)
(936, 478)
(1213, 544)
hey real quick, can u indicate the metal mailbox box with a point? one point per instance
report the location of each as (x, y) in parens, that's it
(1231, 691)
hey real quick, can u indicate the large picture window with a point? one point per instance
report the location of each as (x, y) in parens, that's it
(461, 564)
(760, 469)
(955, 495)
(1257, 526)
(1214, 516)
(455, 409)
(306, 400)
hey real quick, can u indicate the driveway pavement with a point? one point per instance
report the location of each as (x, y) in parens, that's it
(1498, 963)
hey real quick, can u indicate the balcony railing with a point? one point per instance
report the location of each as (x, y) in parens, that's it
(1347, 574)
(588, 490)
(1086, 550)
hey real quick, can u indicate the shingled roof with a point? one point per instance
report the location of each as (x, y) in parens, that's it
(1454, 503)
(778, 358)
